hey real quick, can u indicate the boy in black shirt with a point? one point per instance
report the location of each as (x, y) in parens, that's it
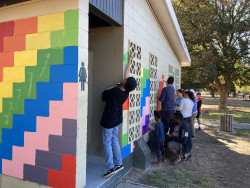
(112, 118)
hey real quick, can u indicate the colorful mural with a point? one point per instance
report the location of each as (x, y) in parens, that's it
(126, 148)
(38, 98)
(144, 109)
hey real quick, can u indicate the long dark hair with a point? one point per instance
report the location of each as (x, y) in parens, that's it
(181, 91)
(190, 95)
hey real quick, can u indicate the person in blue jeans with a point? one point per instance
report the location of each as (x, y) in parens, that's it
(194, 114)
(167, 103)
(159, 137)
(112, 118)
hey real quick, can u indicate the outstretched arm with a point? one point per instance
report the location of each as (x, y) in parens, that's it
(128, 67)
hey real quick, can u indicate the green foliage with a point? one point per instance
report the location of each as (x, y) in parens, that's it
(217, 36)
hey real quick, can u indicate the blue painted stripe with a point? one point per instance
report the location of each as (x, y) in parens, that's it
(126, 150)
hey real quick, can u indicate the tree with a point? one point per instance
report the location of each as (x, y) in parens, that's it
(217, 36)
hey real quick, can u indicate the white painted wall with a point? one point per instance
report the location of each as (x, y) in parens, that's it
(82, 104)
(141, 28)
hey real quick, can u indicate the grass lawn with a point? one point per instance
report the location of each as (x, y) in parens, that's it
(239, 109)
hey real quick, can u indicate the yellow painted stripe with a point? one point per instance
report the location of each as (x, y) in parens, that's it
(52, 22)
(25, 58)
(38, 41)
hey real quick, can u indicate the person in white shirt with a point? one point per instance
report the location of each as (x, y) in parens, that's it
(186, 106)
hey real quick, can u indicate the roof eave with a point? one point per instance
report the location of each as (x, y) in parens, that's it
(164, 12)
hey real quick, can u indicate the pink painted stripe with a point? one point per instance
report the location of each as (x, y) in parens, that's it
(12, 168)
(132, 147)
(45, 127)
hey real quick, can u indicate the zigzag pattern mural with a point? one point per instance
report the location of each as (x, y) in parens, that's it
(145, 101)
(144, 109)
(38, 98)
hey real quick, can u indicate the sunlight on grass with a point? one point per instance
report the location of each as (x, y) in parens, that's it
(239, 110)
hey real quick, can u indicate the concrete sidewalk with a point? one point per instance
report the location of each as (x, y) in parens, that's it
(216, 123)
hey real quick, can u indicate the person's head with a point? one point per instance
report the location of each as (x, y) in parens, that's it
(178, 118)
(179, 93)
(192, 90)
(157, 115)
(198, 95)
(130, 84)
(170, 80)
(189, 94)
(83, 64)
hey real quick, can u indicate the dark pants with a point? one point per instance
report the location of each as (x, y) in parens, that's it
(167, 116)
(188, 120)
(160, 150)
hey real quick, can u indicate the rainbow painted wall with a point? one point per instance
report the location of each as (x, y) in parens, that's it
(38, 98)
(144, 109)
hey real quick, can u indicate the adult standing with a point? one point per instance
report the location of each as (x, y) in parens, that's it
(167, 102)
(112, 118)
(179, 97)
(194, 114)
(199, 103)
(186, 107)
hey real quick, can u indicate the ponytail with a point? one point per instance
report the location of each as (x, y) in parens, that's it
(190, 95)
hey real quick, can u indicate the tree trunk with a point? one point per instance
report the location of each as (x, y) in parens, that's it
(223, 100)
(212, 94)
(223, 90)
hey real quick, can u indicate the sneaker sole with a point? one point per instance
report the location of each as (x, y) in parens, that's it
(108, 176)
(118, 170)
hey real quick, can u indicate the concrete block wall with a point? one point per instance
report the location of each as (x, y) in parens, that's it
(105, 69)
(142, 29)
(43, 108)
(82, 93)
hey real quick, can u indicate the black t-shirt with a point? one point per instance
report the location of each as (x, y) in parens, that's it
(112, 115)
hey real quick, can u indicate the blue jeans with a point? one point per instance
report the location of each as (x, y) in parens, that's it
(111, 147)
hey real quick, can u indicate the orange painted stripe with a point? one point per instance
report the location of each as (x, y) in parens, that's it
(26, 26)
(7, 59)
(1, 74)
(16, 43)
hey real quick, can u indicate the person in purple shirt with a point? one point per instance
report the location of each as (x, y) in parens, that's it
(167, 103)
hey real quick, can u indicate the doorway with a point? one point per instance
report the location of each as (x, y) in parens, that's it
(105, 67)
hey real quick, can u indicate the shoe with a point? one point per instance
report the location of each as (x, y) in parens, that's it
(176, 161)
(118, 168)
(193, 137)
(199, 129)
(186, 157)
(109, 173)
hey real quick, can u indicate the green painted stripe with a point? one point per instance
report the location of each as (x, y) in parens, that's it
(124, 139)
(125, 56)
(41, 72)
(146, 73)
(27, 90)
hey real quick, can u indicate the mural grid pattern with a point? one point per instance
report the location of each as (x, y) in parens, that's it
(38, 98)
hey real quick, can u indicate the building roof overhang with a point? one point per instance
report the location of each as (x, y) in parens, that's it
(165, 14)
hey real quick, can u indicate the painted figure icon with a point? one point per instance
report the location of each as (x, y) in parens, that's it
(82, 76)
